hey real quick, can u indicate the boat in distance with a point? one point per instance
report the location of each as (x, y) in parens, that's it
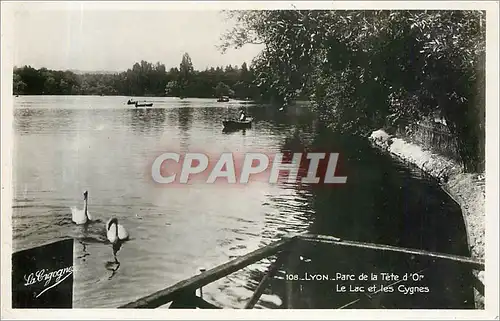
(143, 105)
(236, 124)
(223, 99)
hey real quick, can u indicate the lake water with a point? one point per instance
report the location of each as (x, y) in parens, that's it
(67, 144)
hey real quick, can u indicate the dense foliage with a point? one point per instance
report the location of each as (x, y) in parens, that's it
(143, 79)
(370, 69)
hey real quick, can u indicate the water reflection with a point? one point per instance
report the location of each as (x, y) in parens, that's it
(112, 266)
(185, 119)
(211, 115)
(228, 130)
(84, 251)
(147, 119)
(28, 120)
(386, 203)
(108, 151)
(23, 119)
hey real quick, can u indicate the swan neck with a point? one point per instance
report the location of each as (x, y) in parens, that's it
(85, 207)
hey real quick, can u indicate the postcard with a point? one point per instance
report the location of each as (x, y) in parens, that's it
(220, 160)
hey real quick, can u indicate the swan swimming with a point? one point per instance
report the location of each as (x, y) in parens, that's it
(116, 234)
(81, 216)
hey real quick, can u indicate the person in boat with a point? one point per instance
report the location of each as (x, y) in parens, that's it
(243, 116)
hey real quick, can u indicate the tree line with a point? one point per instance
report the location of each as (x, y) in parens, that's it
(360, 69)
(143, 79)
(371, 69)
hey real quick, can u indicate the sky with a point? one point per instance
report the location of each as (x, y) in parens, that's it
(88, 38)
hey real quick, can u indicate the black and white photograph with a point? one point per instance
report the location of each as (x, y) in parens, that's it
(271, 157)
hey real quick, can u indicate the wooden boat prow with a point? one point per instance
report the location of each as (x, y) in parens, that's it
(183, 294)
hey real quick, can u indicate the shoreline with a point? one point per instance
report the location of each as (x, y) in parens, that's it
(466, 189)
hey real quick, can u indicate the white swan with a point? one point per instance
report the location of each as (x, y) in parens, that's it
(116, 234)
(81, 216)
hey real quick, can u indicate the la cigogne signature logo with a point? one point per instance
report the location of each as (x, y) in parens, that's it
(50, 279)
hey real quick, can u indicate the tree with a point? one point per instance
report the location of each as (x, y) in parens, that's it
(49, 85)
(368, 69)
(18, 84)
(142, 79)
(172, 88)
(223, 90)
(244, 67)
(185, 74)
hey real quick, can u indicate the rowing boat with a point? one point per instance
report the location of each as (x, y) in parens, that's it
(143, 105)
(223, 99)
(236, 124)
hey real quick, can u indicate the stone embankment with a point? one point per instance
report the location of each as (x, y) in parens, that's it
(467, 189)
